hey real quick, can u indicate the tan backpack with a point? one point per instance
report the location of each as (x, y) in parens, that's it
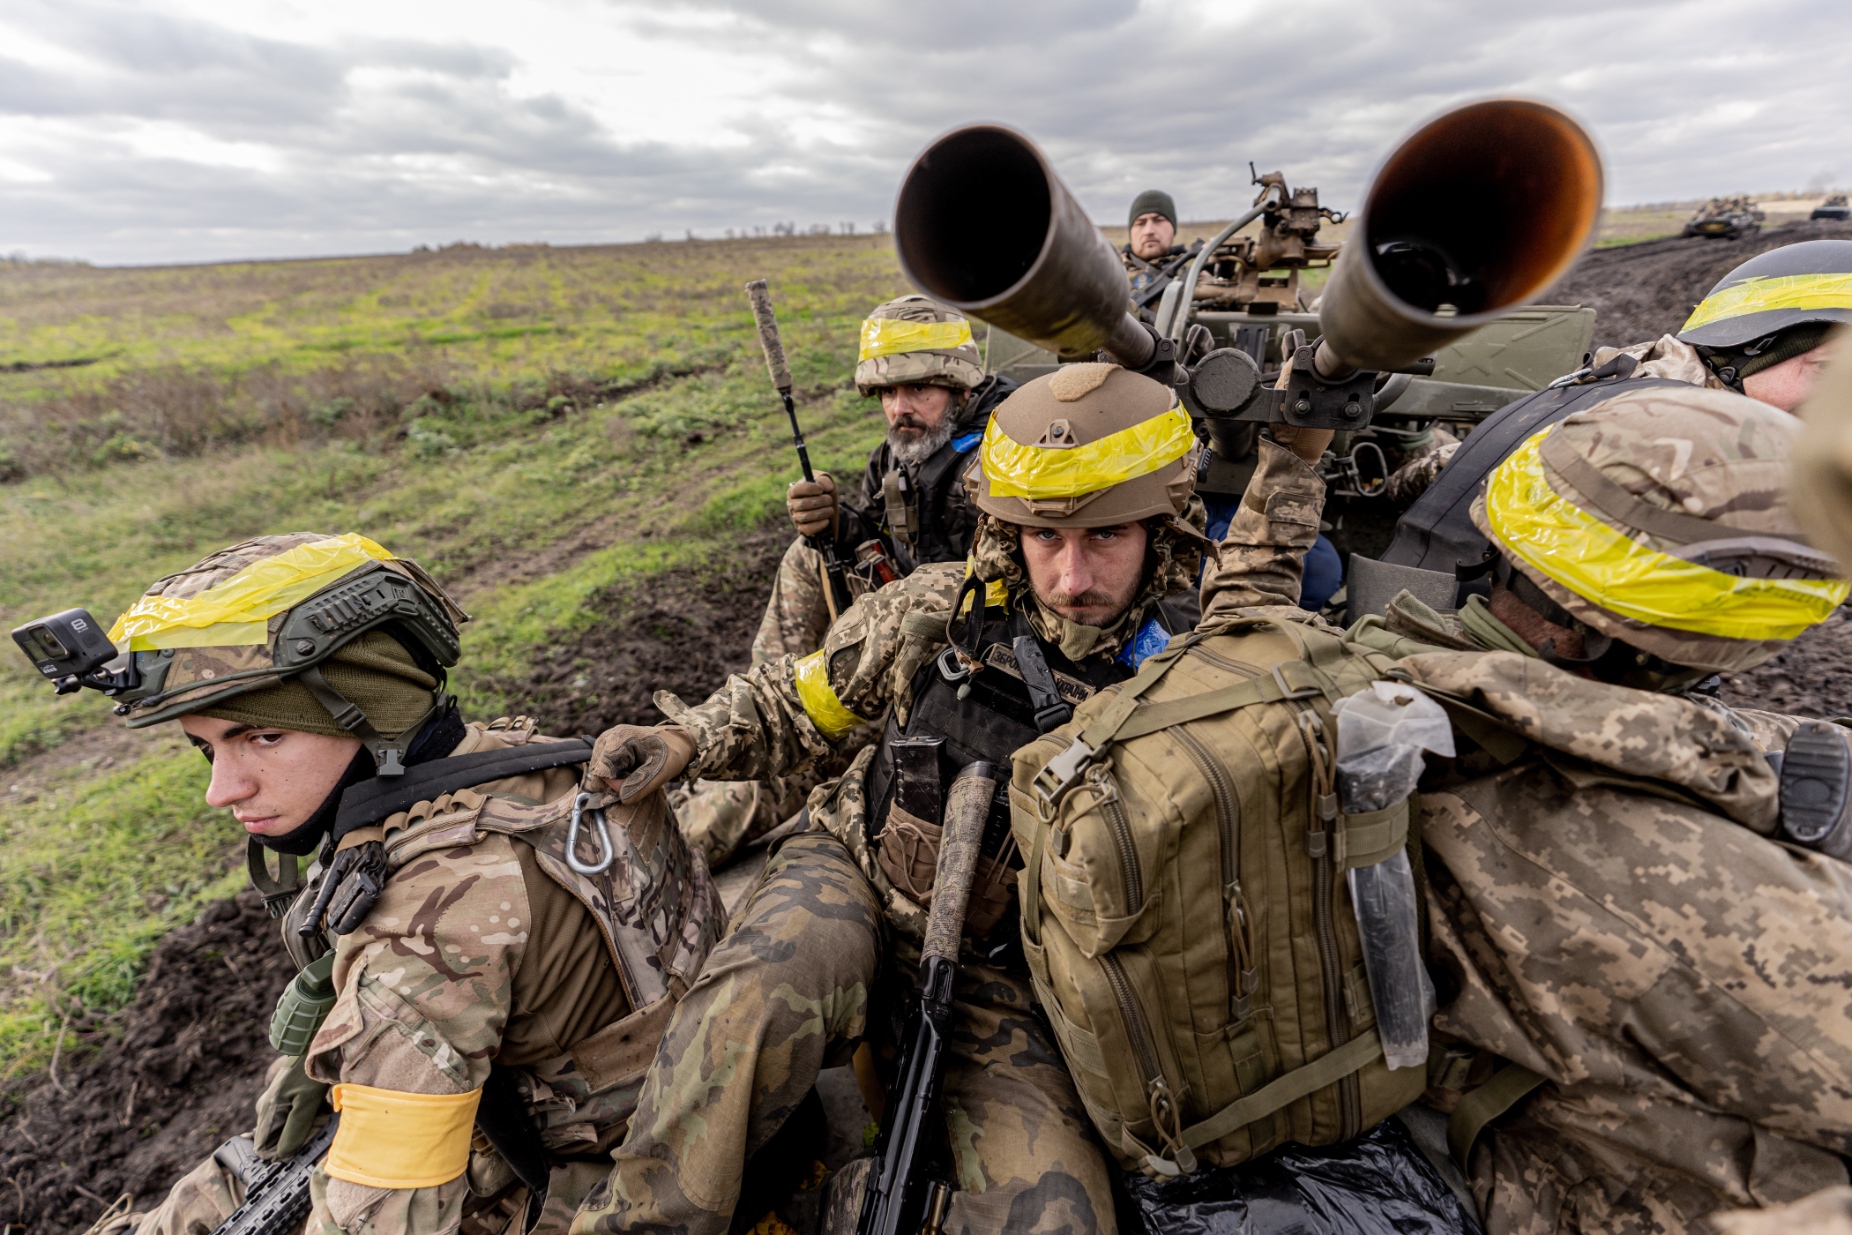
(1184, 907)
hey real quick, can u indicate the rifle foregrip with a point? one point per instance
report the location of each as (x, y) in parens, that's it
(761, 298)
(967, 807)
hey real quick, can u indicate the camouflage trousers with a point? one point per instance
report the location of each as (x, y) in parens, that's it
(1684, 985)
(788, 991)
(716, 817)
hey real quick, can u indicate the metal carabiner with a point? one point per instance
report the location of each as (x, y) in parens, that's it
(604, 840)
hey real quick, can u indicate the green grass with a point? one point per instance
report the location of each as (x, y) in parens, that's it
(616, 423)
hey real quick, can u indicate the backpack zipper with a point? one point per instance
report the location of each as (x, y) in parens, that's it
(1244, 979)
(1121, 829)
(1166, 1116)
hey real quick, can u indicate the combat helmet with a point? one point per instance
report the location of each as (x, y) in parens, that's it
(1775, 306)
(328, 634)
(1658, 524)
(913, 341)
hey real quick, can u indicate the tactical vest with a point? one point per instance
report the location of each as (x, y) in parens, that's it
(1436, 533)
(988, 715)
(655, 905)
(1185, 911)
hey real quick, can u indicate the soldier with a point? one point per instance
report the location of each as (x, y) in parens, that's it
(1759, 332)
(911, 508)
(483, 972)
(922, 363)
(1077, 548)
(1618, 900)
(1151, 255)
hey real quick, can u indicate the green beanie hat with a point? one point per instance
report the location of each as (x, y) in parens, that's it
(1153, 201)
(374, 672)
(1792, 342)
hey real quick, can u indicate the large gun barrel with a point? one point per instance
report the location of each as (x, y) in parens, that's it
(1475, 213)
(984, 225)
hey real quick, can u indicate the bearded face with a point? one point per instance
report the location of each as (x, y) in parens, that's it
(919, 421)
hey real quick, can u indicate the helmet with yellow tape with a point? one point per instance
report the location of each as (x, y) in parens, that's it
(1089, 445)
(1775, 306)
(915, 342)
(324, 634)
(1658, 524)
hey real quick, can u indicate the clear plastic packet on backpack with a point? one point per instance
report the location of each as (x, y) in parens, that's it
(1381, 734)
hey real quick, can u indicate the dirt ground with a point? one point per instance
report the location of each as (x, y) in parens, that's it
(155, 1088)
(1641, 291)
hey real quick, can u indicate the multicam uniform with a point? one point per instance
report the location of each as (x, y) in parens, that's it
(789, 988)
(485, 951)
(1606, 906)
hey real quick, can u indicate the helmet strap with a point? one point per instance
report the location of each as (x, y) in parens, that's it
(388, 754)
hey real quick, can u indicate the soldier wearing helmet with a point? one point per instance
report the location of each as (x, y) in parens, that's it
(1636, 899)
(1089, 528)
(1759, 332)
(922, 363)
(474, 967)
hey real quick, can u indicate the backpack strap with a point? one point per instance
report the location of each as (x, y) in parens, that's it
(1509, 1086)
(1281, 1092)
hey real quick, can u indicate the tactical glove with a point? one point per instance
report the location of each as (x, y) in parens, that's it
(634, 761)
(812, 506)
(286, 1112)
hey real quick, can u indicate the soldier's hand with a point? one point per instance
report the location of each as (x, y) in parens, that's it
(813, 505)
(634, 761)
(286, 1112)
(1309, 444)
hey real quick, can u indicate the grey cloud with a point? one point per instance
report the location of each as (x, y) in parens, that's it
(1686, 98)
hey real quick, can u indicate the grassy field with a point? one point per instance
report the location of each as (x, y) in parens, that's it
(531, 424)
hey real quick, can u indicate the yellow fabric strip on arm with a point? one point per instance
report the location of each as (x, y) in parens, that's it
(235, 612)
(885, 336)
(814, 691)
(1788, 291)
(1602, 565)
(996, 592)
(1039, 473)
(389, 1139)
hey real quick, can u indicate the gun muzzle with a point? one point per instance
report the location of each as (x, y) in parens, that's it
(985, 226)
(1478, 211)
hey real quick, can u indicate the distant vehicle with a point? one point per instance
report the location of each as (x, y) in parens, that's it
(1725, 218)
(1834, 207)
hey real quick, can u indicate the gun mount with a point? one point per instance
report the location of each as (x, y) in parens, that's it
(1259, 274)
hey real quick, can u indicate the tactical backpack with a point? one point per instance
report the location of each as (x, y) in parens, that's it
(1185, 913)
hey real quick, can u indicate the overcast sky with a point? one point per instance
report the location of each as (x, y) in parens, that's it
(190, 130)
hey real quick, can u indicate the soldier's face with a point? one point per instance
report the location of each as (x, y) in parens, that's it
(1152, 235)
(1087, 575)
(271, 780)
(1789, 383)
(913, 412)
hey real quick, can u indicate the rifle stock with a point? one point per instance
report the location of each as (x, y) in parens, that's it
(773, 344)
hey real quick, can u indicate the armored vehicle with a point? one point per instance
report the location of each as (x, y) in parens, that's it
(1834, 207)
(1725, 218)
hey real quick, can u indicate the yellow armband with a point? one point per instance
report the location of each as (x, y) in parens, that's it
(389, 1139)
(814, 691)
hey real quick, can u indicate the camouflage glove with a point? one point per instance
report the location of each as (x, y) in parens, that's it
(634, 761)
(286, 1112)
(812, 506)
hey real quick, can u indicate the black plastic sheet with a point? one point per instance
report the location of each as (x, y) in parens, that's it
(1377, 1184)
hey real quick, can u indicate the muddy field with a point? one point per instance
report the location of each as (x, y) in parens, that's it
(145, 1094)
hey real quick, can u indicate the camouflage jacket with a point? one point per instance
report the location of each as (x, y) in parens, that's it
(785, 714)
(1664, 357)
(486, 947)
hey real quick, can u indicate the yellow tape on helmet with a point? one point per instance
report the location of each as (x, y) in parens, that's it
(236, 612)
(814, 691)
(1764, 295)
(390, 1139)
(1040, 473)
(1604, 566)
(887, 336)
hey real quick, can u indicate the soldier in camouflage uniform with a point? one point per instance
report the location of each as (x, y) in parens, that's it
(467, 946)
(1078, 548)
(1615, 903)
(911, 508)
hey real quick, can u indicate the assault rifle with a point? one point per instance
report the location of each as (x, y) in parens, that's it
(894, 1193)
(825, 545)
(276, 1196)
